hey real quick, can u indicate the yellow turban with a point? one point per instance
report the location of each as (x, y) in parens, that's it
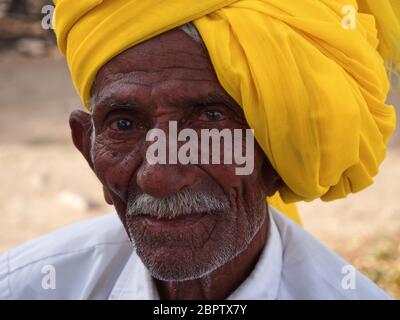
(313, 90)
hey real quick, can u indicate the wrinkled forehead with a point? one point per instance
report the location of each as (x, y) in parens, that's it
(180, 48)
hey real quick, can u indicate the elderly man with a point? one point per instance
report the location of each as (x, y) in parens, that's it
(312, 89)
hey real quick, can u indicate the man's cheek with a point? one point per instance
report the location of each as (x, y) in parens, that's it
(116, 169)
(224, 174)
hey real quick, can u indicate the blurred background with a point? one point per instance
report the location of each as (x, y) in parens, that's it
(46, 183)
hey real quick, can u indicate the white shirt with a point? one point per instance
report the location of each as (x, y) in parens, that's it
(95, 260)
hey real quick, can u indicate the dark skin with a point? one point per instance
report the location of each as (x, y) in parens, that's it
(169, 78)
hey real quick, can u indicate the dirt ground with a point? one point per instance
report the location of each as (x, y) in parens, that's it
(46, 184)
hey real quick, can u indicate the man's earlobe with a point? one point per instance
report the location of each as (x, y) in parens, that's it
(273, 182)
(107, 196)
(81, 131)
(275, 186)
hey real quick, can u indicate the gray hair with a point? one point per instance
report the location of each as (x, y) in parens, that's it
(92, 139)
(192, 32)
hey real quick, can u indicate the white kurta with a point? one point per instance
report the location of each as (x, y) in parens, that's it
(95, 260)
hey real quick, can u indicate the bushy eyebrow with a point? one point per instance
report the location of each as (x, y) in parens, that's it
(203, 100)
(124, 104)
(115, 103)
(209, 99)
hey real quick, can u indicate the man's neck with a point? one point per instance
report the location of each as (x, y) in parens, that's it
(220, 283)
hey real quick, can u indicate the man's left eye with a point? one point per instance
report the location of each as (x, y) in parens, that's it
(212, 116)
(122, 125)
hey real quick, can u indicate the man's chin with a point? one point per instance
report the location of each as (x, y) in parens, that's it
(180, 258)
(173, 266)
(179, 264)
(175, 258)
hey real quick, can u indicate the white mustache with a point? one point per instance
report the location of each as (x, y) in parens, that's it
(184, 202)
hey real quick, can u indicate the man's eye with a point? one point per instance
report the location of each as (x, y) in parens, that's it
(122, 125)
(212, 116)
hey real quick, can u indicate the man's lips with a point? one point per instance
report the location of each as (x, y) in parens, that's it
(180, 222)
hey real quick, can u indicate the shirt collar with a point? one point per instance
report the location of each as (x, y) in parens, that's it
(136, 283)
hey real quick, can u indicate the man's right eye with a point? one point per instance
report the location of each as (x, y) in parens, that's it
(122, 125)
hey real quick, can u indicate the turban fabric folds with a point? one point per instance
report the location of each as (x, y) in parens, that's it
(313, 91)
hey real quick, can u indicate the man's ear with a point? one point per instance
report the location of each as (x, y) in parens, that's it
(273, 182)
(81, 131)
(107, 196)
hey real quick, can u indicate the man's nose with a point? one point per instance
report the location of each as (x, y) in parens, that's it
(163, 180)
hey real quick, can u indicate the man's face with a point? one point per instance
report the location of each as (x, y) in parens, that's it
(171, 78)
